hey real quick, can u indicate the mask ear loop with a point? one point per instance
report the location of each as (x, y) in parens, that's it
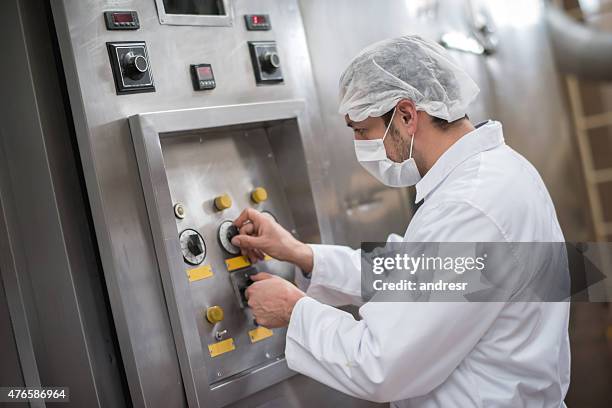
(411, 144)
(390, 123)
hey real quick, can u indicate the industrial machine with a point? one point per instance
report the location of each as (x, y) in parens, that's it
(183, 113)
(186, 113)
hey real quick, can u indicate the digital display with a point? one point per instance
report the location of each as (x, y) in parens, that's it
(197, 7)
(259, 19)
(205, 73)
(123, 18)
(257, 22)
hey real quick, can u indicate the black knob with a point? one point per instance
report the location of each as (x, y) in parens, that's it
(135, 65)
(270, 61)
(232, 231)
(195, 245)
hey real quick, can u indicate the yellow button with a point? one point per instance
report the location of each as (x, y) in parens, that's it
(259, 195)
(223, 202)
(214, 314)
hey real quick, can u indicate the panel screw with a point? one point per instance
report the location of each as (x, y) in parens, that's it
(179, 211)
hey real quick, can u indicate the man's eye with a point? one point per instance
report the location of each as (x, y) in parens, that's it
(360, 132)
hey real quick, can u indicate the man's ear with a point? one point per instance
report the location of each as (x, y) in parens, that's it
(407, 110)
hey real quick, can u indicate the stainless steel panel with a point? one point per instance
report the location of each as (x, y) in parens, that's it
(10, 371)
(133, 270)
(49, 267)
(198, 158)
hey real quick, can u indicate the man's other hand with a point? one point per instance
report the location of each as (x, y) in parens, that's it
(272, 299)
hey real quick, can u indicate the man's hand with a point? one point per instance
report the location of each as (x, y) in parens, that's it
(272, 299)
(260, 234)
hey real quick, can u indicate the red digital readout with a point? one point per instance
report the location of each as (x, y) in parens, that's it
(259, 20)
(205, 73)
(123, 18)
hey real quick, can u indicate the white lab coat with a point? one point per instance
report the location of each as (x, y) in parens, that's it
(438, 354)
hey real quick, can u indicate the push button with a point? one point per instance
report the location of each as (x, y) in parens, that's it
(223, 202)
(214, 314)
(259, 195)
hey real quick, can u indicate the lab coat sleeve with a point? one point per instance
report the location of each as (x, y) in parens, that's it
(397, 350)
(336, 275)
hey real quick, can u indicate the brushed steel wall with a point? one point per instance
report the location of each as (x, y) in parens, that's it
(519, 87)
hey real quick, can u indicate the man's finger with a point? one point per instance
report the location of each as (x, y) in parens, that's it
(259, 254)
(247, 229)
(261, 276)
(242, 218)
(247, 293)
(246, 241)
(249, 214)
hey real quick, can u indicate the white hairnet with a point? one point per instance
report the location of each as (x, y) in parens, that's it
(408, 67)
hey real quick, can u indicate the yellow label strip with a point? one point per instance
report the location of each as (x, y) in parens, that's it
(259, 334)
(202, 272)
(216, 349)
(241, 262)
(238, 262)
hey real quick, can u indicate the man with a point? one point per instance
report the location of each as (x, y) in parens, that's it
(406, 103)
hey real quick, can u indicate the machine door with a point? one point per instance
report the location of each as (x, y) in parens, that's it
(199, 170)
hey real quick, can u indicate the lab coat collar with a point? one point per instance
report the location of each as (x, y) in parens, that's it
(484, 137)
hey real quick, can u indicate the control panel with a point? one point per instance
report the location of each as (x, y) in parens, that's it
(266, 62)
(131, 67)
(213, 177)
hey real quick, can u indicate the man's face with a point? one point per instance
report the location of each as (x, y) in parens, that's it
(369, 129)
(374, 128)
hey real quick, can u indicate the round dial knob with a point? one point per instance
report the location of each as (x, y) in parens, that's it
(192, 247)
(270, 61)
(214, 314)
(135, 65)
(223, 202)
(227, 231)
(259, 195)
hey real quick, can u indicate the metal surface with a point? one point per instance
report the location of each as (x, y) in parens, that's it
(53, 285)
(535, 118)
(204, 153)
(133, 264)
(579, 50)
(10, 370)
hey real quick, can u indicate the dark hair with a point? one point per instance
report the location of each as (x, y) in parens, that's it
(443, 124)
(437, 122)
(387, 117)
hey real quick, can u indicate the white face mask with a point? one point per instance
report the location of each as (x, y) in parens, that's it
(373, 157)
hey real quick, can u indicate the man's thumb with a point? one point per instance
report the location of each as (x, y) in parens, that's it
(245, 241)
